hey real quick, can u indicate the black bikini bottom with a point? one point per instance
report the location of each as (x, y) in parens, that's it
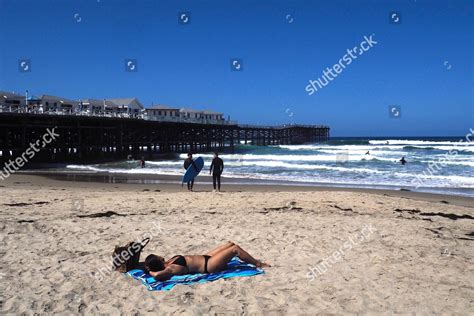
(206, 259)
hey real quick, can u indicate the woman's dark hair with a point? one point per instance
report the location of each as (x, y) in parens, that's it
(153, 263)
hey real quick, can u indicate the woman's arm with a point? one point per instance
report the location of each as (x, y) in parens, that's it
(162, 275)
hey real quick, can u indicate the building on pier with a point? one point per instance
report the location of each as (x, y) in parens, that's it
(201, 117)
(162, 113)
(52, 104)
(11, 102)
(114, 107)
(210, 117)
(130, 107)
(94, 107)
(127, 106)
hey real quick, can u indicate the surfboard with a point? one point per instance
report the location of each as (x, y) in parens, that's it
(191, 172)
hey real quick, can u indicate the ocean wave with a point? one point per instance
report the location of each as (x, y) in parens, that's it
(295, 167)
(419, 142)
(299, 147)
(452, 179)
(157, 171)
(401, 180)
(295, 158)
(467, 147)
(444, 148)
(371, 151)
(441, 163)
(164, 163)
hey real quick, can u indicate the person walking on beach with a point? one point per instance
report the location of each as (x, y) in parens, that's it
(217, 166)
(187, 162)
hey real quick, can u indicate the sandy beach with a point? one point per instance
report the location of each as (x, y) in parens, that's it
(410, 252)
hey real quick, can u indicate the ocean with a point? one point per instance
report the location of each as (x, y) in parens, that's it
(441, 164)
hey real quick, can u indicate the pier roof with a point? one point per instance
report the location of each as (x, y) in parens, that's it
(128, 102)
(212, 112)
(56, 98)
(162, 107)
(5, 94)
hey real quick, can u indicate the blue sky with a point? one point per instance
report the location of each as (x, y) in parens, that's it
(78, 48)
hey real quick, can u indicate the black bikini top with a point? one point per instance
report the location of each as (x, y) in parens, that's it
(180, 260)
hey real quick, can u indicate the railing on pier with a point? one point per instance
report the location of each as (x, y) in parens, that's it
(283, 126)
(140, 116)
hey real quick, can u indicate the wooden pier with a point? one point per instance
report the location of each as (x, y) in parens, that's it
(96, 139)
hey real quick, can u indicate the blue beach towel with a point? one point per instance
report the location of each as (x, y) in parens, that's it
(235, 268)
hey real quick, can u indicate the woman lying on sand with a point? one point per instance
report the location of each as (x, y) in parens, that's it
(214, 261)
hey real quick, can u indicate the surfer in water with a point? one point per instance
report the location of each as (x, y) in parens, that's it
(142, 162)
(214, 261)
(403, 161)
(187, 162)
(217, 166)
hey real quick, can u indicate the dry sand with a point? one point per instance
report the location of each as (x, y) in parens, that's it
(419, 257)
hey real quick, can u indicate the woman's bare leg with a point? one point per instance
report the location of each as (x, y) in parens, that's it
(219, 261)
(218, 249)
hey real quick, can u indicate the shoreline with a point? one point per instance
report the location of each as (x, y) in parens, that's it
(170, 183)
(151, 176)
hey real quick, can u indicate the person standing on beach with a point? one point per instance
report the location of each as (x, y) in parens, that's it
(217, 166)
(187, 162)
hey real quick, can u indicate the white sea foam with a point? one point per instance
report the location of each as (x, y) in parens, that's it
(307, 158)
(126, 171)
(446, 146)
(400, 180)
(418, 142)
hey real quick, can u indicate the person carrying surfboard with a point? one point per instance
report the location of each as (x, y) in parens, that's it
(187, 162)
(217, 166)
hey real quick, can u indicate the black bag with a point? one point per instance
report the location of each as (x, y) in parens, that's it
(126, 258)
